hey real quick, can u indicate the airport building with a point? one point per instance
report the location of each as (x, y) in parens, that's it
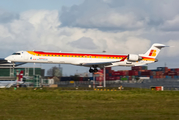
(34, 76)
(7, 72)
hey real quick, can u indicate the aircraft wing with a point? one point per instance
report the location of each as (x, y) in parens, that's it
(19, 63)
(5, 62)
(99, 63)
(103, 63)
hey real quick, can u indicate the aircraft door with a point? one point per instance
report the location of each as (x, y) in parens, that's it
(90, 58)
(26, 55)
(85, 58)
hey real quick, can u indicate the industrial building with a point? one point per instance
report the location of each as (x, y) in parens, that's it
(34, 76)
(139, 71)
(7, 72)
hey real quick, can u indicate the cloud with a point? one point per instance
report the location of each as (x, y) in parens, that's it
(82, 29)
(132, 45)
(172, 50)
(83, 43)
(121, 15)
(39, 30)
(26, 33)
(101, 16)
(171, 25)
(116, 26)
(6, 17)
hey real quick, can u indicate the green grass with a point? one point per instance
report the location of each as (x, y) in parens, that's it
(58, 104)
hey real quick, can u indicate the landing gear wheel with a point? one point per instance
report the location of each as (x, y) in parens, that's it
(91, 70)
(95, 70)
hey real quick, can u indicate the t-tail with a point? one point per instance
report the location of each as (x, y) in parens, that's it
(151, 54)
(154, 50)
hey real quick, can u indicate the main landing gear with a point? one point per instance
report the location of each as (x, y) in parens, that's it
(93, 70)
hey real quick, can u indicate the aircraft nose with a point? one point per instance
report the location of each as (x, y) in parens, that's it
(8, 58)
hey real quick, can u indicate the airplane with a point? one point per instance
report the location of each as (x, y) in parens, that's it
(92, 60)
(8, 84)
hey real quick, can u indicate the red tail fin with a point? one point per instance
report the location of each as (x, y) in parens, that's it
(20, 76)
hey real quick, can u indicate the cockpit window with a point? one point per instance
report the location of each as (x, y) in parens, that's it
(16, 54)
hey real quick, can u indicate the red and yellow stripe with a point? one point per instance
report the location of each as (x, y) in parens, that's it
(82, 55)
(148, 59)
(78, 55)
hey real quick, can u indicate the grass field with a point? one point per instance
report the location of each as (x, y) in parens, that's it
(58, 104)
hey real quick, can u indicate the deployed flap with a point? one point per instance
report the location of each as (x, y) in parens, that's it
(140, 64)
(100, 63)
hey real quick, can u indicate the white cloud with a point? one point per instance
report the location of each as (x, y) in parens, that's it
(115, 26)
(122, 15)
(137, 45)
(41, 18)
(172, 50)
(4, 32)
(171, 24)
(6, 17)
(83, 43)
(39, 30)
(111, 20)
(101, 16)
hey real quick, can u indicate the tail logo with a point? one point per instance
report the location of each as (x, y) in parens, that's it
(153, 53)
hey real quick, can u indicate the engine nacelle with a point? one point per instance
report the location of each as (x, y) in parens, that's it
(134, 58)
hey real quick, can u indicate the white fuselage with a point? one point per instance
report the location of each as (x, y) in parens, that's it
(71, 58)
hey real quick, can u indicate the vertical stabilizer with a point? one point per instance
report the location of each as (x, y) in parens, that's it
(154, 50)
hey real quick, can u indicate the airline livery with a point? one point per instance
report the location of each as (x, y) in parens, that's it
(8, 84)
(93, 61)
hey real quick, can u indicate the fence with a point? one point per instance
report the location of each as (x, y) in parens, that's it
(169, 84)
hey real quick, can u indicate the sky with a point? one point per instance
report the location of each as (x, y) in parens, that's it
(116, 26)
